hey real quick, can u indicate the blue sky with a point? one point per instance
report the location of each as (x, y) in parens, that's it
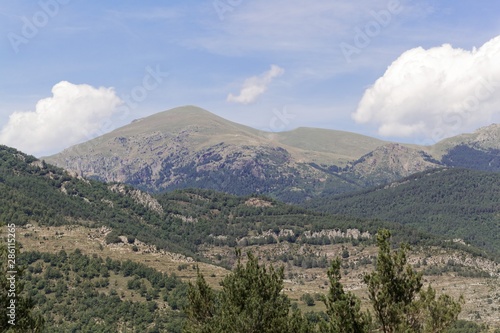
(72, 69)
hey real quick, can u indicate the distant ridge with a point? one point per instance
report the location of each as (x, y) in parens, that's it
(192, 147)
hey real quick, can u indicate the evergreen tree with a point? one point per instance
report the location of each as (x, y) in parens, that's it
(343, 309)
(201, 309)
(398, 302)
(251, 301)
(440, 313)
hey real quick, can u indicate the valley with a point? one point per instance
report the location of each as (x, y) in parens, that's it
(148, 205)
(449, 271)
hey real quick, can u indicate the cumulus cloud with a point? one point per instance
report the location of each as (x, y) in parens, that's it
(73, 114)
(255, 86)
(435, 93)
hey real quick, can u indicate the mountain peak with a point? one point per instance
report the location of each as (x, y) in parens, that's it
(177, 120)
(189, 110)
(185, 111)
(489, 135)
(484, 138)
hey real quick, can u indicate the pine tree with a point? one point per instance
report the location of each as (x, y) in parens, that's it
(251, 301)
(399, 303)
(343, 309)
(201, 309)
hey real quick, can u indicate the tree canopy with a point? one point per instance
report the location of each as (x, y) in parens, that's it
(252, 300)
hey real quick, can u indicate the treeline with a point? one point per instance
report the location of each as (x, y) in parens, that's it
(213, 214)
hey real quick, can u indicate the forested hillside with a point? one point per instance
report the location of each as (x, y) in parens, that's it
(463, 156)
(455, 203)
(181, 221)
(77, 293)
(46, 203)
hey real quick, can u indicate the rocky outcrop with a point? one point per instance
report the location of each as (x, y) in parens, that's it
(392, 162)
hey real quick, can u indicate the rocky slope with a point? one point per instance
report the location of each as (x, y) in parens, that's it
(391, 162)
(190, 147)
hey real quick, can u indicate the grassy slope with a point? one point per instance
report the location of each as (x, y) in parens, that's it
(340, 146)
(210, 129)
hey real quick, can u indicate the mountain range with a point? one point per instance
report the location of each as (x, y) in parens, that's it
(188, 147)
(92, 245)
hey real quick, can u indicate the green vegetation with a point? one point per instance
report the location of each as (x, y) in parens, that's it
(455, 203)
(251, 300)
(17, 309)
(78, 293)
(399, 303)
(343, 309)
(463, 326)
(463, 156)
(33, 191)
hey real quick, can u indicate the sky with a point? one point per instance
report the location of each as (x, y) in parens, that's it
(407, 71)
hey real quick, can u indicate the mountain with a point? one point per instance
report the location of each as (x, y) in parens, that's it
(33, 191)
(455, 203)
(484, 139)
(108, 257)
(190, 147)
(479, 150)
(391, 161)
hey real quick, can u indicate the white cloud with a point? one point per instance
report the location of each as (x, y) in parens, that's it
(435, 93)
(255, 86)
(73, 114)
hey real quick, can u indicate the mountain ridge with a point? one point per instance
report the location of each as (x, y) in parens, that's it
(191, 147)
(56, 212)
